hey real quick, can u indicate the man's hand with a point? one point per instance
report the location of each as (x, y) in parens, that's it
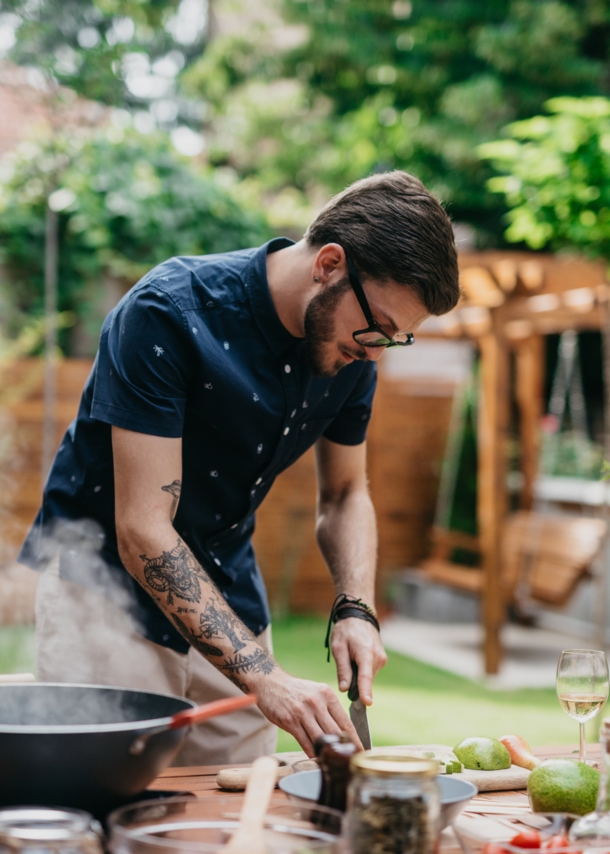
(356, 640)
(303, 708)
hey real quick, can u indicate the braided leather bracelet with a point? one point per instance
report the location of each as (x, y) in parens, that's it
(346, 606)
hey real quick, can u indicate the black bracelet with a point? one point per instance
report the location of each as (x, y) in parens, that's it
(344, 607)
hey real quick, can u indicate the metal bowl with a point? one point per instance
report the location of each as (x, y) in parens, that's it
(304, 786)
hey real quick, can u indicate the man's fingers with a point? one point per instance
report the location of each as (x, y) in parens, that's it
(350, 731)
(365, 682)
(342, 720)
(305, 742)
(344, 666)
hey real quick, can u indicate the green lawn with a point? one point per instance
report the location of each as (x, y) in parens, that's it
(414, 703)
(17, 649)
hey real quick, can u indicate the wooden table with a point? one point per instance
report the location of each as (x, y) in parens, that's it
(198, 779)
(201, 781)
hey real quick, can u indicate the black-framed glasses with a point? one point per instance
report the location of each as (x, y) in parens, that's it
(373, 335)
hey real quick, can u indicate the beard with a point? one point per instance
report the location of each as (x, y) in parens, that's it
(319, 324)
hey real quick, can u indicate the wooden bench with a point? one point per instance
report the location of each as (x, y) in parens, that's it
(544, 557)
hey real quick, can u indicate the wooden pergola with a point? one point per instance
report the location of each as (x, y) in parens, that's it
(510, 302)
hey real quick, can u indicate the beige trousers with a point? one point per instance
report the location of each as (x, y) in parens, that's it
(83, 636)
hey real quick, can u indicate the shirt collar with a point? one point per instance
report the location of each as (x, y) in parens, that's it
(274, 331)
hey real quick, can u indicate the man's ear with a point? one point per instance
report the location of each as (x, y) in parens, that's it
(329, 264)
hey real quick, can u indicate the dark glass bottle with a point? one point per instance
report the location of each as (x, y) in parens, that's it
(319, 744)
(335, 764)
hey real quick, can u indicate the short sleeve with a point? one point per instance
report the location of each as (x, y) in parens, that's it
(142, 369)
(350, 424)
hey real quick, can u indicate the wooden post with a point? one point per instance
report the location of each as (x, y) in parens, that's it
(50, 346)
(529, 378)
(491, 486)
(600, 610)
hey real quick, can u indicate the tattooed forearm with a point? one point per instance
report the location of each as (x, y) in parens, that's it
(176, 573)
(258, 661)
(220, 622)
(174, 488)
(200, 645)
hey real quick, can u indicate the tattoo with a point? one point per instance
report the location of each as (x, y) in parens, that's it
(258, 661)
(201, 646)
(217, 622)
(174, 488)
(175, 573)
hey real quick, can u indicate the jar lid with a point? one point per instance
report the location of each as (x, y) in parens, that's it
(375, 764)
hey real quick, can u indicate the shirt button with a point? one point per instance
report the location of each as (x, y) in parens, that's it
(235, 525)
(165, 637)
(216, 561)
(260, 480)
(303, 426)
(287, 368)
(286, 431)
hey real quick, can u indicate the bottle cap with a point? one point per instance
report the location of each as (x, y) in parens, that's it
(375, 764)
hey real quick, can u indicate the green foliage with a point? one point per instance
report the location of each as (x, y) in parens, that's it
(377, 84)
(96, 46)
(130, 204)
(570, 454)
(557, 176)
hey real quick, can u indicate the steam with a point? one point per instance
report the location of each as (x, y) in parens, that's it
(42, 705)
(78, 544)
(85, 616)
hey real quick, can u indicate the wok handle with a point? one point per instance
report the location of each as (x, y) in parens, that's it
(211, 710)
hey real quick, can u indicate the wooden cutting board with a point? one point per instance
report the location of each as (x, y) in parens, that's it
(485, 781)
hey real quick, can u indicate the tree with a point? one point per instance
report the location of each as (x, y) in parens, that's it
(379, 84)
(129, 202)
(125, 53)
(556, 182)
(556, 179)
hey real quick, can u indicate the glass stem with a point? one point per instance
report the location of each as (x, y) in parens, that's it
(581, 753)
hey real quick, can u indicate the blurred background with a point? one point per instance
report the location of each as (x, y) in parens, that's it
(134, 130)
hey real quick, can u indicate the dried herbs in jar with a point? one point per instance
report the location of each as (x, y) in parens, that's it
(393, 805)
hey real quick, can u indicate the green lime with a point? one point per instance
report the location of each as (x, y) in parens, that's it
(482, 754)
(563, 785)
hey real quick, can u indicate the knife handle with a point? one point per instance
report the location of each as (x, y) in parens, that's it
(353, 694)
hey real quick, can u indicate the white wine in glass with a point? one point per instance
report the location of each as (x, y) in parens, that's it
(582, 686)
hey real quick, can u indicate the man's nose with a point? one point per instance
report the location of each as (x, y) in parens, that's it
(374, 353)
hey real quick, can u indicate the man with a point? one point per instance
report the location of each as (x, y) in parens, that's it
(213, 375)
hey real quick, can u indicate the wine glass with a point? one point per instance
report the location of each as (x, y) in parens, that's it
(582, 686)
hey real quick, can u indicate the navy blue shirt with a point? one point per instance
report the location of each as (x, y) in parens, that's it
(196, 350)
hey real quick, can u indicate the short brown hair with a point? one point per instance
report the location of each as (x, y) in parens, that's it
(394, 229)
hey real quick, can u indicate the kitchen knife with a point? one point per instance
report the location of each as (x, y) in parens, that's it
(357, 711)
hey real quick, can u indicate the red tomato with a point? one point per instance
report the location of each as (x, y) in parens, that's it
(493, 848)
(526, 839)
(557, 841)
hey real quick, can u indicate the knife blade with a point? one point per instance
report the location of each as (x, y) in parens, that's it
(357, 711)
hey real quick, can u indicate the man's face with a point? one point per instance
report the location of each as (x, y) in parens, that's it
(334, 314)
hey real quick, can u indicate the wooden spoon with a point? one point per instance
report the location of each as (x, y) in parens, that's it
(249, 836)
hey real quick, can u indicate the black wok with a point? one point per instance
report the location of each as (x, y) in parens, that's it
(88, 746)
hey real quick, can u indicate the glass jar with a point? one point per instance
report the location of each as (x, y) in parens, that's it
(393, 805)
(45, 830)
(594, 828)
